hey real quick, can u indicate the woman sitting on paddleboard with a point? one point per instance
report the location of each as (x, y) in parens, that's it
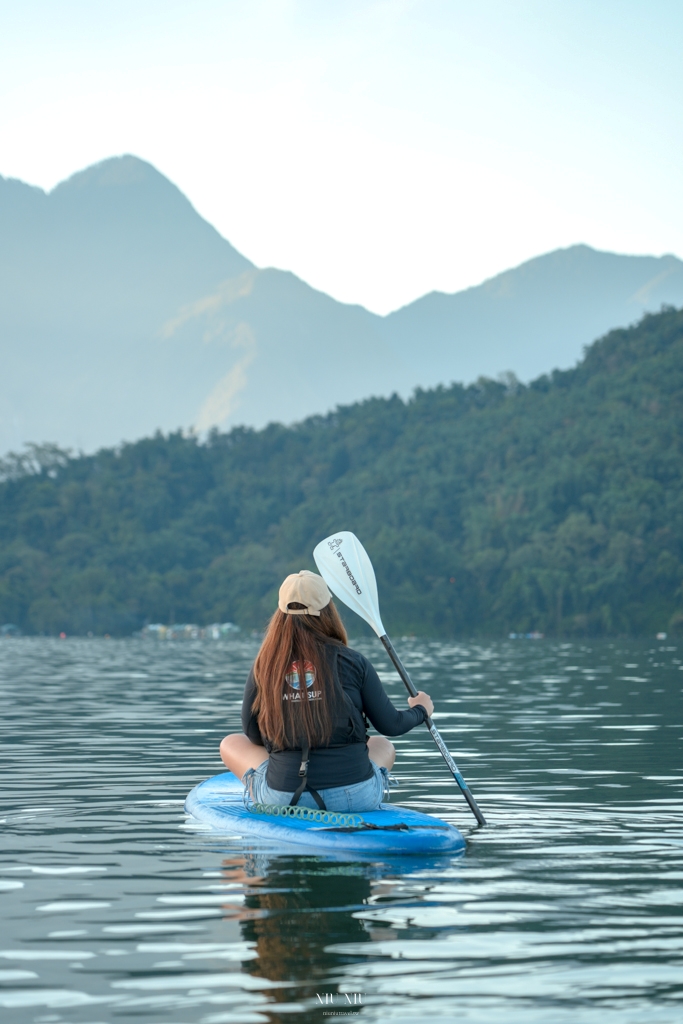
(305, 740)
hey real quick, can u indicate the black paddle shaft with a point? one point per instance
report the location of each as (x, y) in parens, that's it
(436, 736)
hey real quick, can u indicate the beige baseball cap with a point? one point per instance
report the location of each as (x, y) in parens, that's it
(305, 588)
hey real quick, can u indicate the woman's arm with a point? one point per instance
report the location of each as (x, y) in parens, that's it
(249, 721)
(386, 718)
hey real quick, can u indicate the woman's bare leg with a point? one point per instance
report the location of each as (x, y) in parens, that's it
(238, 754)
(381, 751)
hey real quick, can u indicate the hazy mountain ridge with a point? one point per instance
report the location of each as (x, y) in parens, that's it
(123, 311)
(570, 294)
(302, 375)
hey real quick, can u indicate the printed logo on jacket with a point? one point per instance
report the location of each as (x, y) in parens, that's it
(293, 689)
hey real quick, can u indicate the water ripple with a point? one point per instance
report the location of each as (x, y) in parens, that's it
(568, 907)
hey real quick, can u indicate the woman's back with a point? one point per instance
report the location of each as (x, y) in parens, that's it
(306, 703)
(356, 693)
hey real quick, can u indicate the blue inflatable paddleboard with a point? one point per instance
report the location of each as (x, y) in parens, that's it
(219, 803)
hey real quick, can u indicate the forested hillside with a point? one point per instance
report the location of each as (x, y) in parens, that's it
(495, 507)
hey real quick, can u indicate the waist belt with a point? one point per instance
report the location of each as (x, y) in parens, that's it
(303, 785)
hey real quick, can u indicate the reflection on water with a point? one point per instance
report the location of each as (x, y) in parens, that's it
(568, 907)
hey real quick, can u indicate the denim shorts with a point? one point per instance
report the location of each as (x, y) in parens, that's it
(360, 796)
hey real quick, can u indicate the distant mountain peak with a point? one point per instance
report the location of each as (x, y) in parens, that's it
(124, 213)
(116, 171)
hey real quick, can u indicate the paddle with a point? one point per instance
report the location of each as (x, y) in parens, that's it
(346, 568)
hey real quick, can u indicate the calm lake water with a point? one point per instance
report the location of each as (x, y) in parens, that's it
(568, 907)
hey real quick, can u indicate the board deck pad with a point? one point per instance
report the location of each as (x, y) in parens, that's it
(218, 802)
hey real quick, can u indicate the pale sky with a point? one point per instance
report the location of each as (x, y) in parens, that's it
(378, 149)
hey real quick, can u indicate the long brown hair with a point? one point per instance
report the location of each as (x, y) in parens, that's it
(299, 639)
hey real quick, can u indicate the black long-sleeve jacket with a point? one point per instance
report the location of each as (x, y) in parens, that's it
(339, 764)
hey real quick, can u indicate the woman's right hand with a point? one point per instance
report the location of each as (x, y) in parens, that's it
(424, 699)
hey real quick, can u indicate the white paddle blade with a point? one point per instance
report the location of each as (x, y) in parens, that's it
(344, 565)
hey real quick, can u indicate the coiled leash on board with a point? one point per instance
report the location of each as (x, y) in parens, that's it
(332, 821)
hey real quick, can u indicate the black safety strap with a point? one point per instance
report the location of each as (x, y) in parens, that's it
(303, 785)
